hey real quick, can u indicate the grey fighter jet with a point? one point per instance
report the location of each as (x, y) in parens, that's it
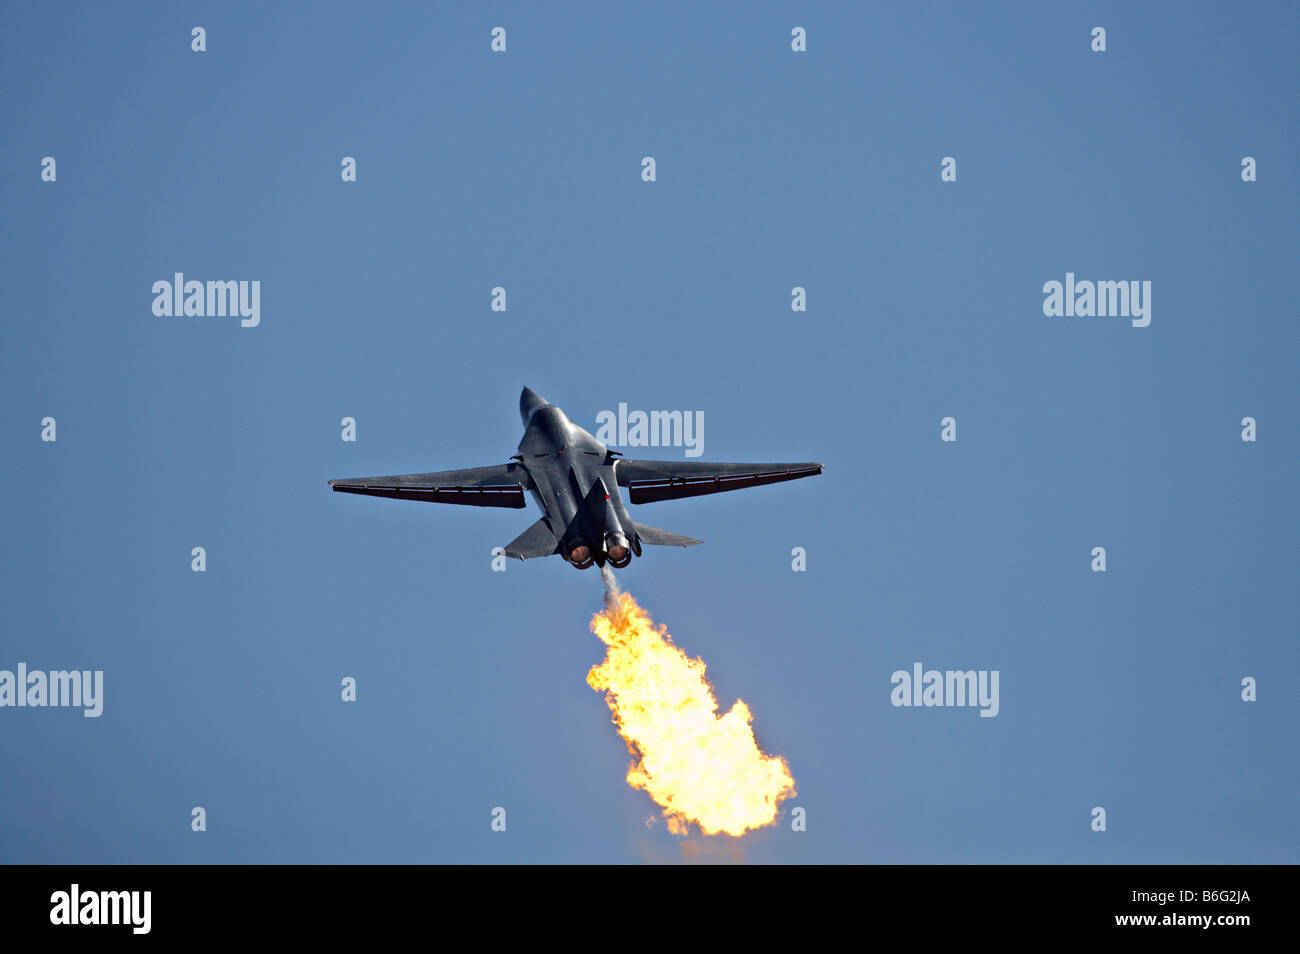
(575, 480)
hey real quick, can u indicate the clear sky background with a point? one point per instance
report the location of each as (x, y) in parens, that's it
(775, 169)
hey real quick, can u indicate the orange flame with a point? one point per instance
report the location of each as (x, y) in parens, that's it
(697, 766)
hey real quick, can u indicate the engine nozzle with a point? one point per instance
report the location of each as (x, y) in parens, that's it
(617, 551)
(581, 557)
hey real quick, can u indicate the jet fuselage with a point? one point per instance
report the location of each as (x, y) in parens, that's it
(572, 479)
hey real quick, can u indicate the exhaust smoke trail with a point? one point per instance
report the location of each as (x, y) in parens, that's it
(699, 767)
(611, 586)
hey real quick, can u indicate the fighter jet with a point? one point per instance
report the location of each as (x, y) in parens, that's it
(576, 481)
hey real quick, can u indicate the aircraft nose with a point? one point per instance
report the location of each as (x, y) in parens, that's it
(529, 401)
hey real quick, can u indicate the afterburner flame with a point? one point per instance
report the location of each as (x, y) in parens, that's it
(697, 766)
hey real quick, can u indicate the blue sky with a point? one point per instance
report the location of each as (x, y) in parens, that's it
(774, 169)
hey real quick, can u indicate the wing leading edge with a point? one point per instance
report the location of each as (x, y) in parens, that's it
(650, 480)
(499, 486)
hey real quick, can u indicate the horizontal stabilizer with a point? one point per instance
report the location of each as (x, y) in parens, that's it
(662, 538)
(536, 541)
